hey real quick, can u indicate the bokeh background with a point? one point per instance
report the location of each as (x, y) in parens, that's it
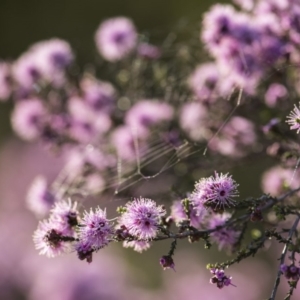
(116, 273)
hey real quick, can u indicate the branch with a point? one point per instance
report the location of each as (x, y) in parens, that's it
(282, 257)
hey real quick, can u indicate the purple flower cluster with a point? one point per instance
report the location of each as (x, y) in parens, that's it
(215, 192)
(244, 45)
(219, 278)
(290, 272)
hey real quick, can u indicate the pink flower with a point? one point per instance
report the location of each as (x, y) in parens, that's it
(48, 238)
(225, 237)
(215, 192)
(293, 119)
(142, 218)
(28, 118)
(147, 113)
(116, 38)
(39, 198)
(95, 229)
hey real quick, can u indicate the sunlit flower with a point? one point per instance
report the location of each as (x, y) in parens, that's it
(216, 192)
(293, 119)
(95, 229)
(142, 218)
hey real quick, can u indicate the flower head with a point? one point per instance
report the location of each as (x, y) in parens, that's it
(116, 38)
(293, 119)
(65, 212)
(49, 238)
(95, 229)
(28, 118)
(216, 192)
(142, 218)
(219, 278)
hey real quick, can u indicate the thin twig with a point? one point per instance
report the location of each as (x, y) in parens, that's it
(282, 257)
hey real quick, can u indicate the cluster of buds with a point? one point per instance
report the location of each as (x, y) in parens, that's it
(219, 278)
(290, 272)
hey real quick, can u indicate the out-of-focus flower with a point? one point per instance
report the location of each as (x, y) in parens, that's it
(142, 218)
(124, 141)
(95, 229)
(225, 237)
(99, 95)
(235, 139)
(116, 38)
(278, 180)
(86, 124)
(216, 192)
(193, 120)
(293, 119)
(147, 113)
(28, 118)
(204, 82)
(274, 94)
(39, 197)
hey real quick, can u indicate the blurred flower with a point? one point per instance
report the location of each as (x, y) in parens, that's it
(225, 237)
(193, 120)
(277, 180)
(39, 197)
(204, 82)
(275, 93)
(235, 139)
(28, 118)
(99, 95)
(147, 113)
(116, 38)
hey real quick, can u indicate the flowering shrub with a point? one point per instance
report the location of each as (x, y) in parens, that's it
(153, 116)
